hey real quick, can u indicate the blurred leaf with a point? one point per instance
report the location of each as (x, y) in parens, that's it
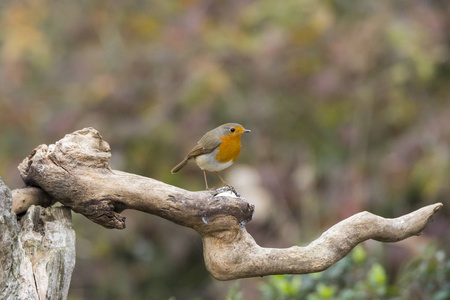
(325, 292)
(359, 254)
(377, 275)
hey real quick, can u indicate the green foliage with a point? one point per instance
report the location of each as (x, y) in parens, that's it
(377, 280)
(282, 287)
(235, 292)
(427, 276)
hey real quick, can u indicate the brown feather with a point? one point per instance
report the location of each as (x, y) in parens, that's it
(179, 166)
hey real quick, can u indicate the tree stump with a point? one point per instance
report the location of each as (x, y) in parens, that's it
(37, 254)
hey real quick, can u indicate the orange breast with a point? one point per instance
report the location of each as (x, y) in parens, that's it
(229, 148)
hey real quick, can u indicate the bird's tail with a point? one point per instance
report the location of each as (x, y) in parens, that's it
(180, 165)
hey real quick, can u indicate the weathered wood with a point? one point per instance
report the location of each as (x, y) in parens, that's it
(76, 172)
(11, 254)
(24, 198)
(37, 255)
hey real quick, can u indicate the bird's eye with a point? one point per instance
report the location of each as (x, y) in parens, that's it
(232, 129)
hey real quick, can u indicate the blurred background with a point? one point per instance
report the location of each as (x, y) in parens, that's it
(348, 103)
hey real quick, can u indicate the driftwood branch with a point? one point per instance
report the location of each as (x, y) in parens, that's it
(24, 198)
(75, 171)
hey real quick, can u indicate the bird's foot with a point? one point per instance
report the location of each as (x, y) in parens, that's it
(228, 188)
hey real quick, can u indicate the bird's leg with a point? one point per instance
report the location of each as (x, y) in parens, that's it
(223, 181)
(206, 181)
(228, 186)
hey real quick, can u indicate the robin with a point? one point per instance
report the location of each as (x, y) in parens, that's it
(216, 150)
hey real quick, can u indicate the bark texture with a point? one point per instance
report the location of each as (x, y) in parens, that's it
(37, 254)
(75, 171)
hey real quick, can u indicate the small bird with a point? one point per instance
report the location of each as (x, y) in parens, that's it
(216, 150)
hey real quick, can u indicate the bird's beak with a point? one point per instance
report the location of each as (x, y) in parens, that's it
(247, 131)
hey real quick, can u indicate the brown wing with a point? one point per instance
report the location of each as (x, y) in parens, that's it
(207, 144)
(199, 149)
